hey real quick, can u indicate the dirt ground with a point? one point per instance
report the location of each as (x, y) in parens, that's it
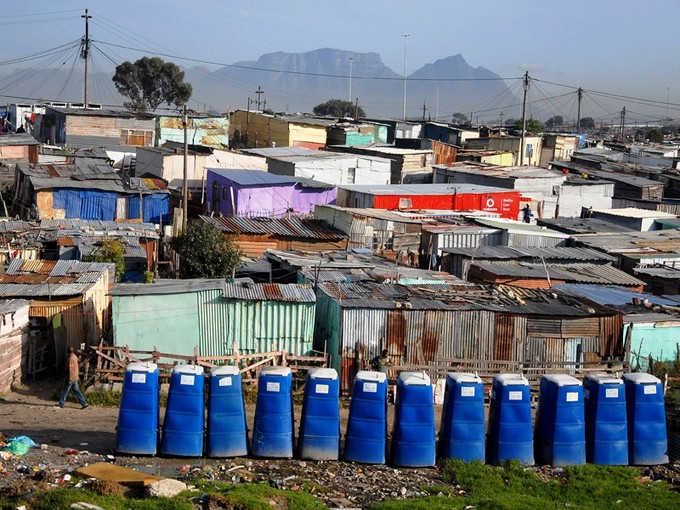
(72, 437)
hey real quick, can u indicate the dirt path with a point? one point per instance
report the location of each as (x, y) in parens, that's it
(72, 437)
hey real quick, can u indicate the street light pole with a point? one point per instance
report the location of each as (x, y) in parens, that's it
(405, 36)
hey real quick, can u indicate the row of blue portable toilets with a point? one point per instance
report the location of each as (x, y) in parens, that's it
(604, 420)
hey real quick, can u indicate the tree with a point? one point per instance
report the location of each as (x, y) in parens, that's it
(459, 118)
(150, 82)
(205, 253)
(587, 123)
(554, 121)
(655, 136)
(339, 108)
(110, 250)
(533, 125)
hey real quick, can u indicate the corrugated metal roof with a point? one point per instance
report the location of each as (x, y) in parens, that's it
(269, 292)
(167, 287)
(12, 305)
(668, 273)
(524, 252)
(504, 172)
(11, 139)
(512, 225)
(664, 241)
(252, 177)
(43, 290)
(634, 212)
(582, 225)
(50, 277)
(498, 298)
(289, 227)
(609, 295)
(583, 273)
(421, 189)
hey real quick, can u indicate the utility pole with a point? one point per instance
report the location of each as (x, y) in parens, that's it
(524, 118)
(185, 190)
(579, 94)
(356, 109)
(436, 109)
(405, 36)
(623, 120)
(85, 53)
(500, 125)
(424, 108)
(259, 92)
(350, 81)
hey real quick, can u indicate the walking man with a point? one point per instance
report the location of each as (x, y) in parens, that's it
(71, 382)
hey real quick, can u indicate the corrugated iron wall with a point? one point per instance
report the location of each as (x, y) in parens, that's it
(254, 326)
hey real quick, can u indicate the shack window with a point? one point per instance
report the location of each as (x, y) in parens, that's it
(136, 137)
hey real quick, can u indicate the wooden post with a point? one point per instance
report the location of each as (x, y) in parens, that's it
(284, 361)
(195, 360)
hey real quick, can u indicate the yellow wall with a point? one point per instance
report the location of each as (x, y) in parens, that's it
(501, 159)
(265, 130)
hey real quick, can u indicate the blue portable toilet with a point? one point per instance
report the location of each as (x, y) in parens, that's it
(414, 434)
(510, 432)
(461, 432)
(646, 410)
(184, 414)
(320, 422)
(273, 434)
(606, 421)
(137, 431)
(366, 434)
(560, 432)
(227, 432)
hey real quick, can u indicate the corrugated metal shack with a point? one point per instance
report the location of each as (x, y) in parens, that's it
(641, 220)
(14, 342)
(18, 147)
(256, 235)
(88, 190)
(88, 127)
(177, 315)
(651, 323)
(69, 301)
(409, 166)
(458, 260)
(537, 275)
(420, 324)
(208, 131)
(633, 249)
(483, 232)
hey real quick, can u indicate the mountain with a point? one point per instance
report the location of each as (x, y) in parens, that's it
(296, 82)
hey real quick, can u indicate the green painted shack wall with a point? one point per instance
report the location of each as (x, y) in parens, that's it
(255, 326)
(168, 322)
(175, 323)
(646, 340)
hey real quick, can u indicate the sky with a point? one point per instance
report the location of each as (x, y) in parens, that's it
(621, 47)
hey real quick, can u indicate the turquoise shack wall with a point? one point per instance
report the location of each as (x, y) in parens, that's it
(168, 322)
(175, 323)
(254, 325)
(659, 342)
(328, 328)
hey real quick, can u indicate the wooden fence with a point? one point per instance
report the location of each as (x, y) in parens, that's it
(107, 364)
(486, 369)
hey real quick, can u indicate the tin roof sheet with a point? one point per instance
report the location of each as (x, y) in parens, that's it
(422, 189)
(583, 225)
(526, 252)
(12, 305)
(166, 287)
(288, 227)
(500, 298)
(663, 241)
(609, 295)
(576, 273)
(252, 177)
(269, 292)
